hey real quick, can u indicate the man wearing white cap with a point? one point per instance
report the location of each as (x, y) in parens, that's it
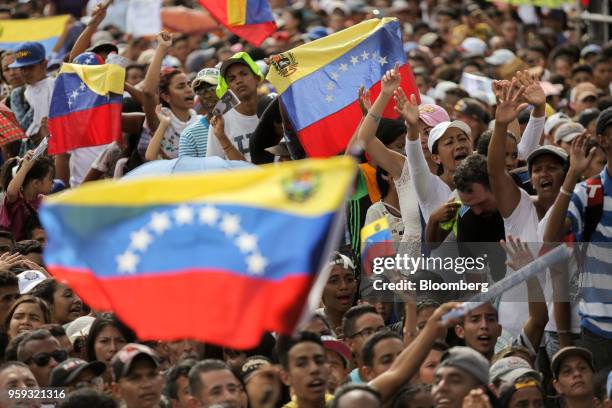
(566, 133)
(194, 138)
(552, 124)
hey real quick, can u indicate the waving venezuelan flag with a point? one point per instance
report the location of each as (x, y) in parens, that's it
(86, 106)
(248, 19)
(318, 82)
(45, 30)
(220, 257)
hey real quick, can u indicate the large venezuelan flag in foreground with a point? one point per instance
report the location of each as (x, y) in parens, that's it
(45, 30)
(218, 257)
(318, 82)
(248, 19)
(86, 106)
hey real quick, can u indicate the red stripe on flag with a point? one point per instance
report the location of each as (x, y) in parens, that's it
(90, 127)
(254, 33)
(212, 306)
(330, 135)
(83, 282)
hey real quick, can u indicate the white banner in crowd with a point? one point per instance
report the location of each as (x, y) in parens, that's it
(143, 18)
(478, 87)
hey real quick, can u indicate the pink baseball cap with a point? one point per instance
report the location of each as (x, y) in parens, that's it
(433, 114)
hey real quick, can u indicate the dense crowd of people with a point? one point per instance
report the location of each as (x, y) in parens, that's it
(523, 161)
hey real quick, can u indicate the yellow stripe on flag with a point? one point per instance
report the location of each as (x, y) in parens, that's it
(374, 227)
(32, 29)
(303, 187)
(236, 12)
(314, 55)
(101, 79)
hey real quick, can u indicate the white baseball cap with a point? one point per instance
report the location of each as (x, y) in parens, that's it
(29, 279)
(500, 57)
(474, 47)
(442, 88)
(438, 131)
(79, 327)
(554, 120)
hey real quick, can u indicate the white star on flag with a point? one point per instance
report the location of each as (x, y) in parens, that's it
(334, 76)
(82, 87)
(343, 67)
(256, 264)
(141, 239)
(183, 215)
(230, 224)
(329, 98)
(127, 261)
(365, 55)
(209, 215)
(160, 223)
(354, 60)
(246, 242)
(375, 55)
(382, 61)
(330, 86)
(74, 94)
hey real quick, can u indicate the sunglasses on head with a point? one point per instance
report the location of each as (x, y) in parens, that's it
(42, 359)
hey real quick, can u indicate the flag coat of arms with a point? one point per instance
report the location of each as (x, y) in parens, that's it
(318, 82)
(221, 257)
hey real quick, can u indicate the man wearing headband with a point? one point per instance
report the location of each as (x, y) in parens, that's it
(233, 130)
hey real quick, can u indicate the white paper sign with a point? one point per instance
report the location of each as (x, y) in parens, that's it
(143, 17)
(478, 86)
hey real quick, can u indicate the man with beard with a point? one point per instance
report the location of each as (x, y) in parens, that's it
(305, 370)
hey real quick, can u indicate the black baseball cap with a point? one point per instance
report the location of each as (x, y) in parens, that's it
(549, 150)
(603, 121)
(67, 371)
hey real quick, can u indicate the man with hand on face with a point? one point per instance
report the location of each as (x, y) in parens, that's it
(262, 382)
(137, 380)
(233, 130)
(194, 138)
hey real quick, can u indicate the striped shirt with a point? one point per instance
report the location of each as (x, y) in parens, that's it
(596, 279)
(194, 139)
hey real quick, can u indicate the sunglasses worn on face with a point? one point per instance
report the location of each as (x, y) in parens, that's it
(42, 359)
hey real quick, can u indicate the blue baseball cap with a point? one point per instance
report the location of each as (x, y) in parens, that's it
(28, 53)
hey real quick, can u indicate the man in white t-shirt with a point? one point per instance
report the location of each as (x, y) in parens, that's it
(242, 76)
